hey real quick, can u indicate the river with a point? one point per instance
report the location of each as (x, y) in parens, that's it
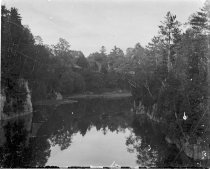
(98, 132)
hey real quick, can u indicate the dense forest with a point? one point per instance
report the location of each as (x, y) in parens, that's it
(170, 76)
(57, 68)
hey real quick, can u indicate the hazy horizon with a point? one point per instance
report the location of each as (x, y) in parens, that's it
(89, 24)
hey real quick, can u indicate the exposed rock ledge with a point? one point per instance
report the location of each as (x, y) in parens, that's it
(196, 151)
(2, 102)
(25, 114)
(27, 104)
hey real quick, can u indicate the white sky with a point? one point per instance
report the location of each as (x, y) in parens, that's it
(89, 24)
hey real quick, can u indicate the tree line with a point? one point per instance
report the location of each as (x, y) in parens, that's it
(170, 75)
(173, 75)
(55, 68)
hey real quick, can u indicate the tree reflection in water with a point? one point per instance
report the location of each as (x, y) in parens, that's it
(113, 115)
(15, 146)
(147, 141)
(144, 142)
(39, 152)
(61, 124)
(19, 150)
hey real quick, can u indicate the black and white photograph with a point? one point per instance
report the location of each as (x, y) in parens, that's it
(105, 84)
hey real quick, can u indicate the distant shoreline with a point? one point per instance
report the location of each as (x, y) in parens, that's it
(109, 95)
(71, 99)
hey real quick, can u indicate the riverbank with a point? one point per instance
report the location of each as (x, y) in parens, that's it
(73, 98)
(196, 148)
(106, 95)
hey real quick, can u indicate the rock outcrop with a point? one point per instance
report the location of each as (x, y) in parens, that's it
(199, 150)
(196, 148)
(9, 103)
(2, 102)
(9, 113)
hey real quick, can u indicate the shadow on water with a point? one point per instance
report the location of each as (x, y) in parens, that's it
(148, 142)
(67, 125)
(15, 146)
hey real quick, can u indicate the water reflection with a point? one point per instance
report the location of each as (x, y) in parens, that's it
(89, 132)
(14, 148)
(95, 148)
(80, 117)
(145, 142)
(148, 143)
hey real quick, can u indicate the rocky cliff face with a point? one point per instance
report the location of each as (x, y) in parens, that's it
(9, 113)
(17, 103)
(195, 148)
(199, 150)
(2, 102)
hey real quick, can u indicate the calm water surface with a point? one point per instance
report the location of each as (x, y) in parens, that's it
(89, 132)
(95, 148)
